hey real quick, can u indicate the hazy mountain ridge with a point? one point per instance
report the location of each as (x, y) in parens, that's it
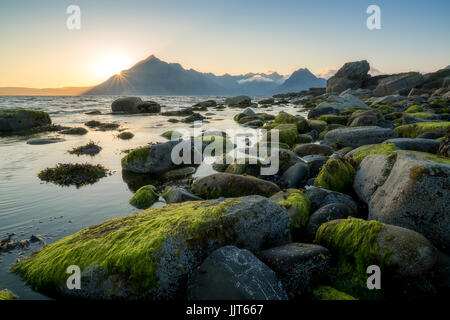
(154, 76)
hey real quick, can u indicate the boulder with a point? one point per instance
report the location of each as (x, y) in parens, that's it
(400, 83)
(297, 265)
(230, 273)
(45, 141)
(320, 197)
(337, 104)
(144, 197)
(157, 158)
(408, 189)
(178, 194)
(22, 119)
(297, 205)
(416, 129)
(239, 102)
(126, 105)
(350, 75)
(336, 174)
(207, 104)
(327, 213)
(296, 176)
(315, 163)
(422, 145)
(399, 253)
(312, 149)
(357, 136)
(232, 185)
(151, 254)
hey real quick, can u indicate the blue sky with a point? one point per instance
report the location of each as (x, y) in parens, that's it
(217, 36)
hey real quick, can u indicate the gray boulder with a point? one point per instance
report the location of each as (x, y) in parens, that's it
(408, 189)
(178, 194)
(399, 83)
(22, 119)
(327, 213)
(351, 75)
(297, 265)
(357, 136)
(320, 197)
(296, 176)
(417, 144)
(232, 185)
(126, 105)
(230, 273)
(312, 149)
(157, 158)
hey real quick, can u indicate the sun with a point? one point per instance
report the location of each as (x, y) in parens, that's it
(112, 64)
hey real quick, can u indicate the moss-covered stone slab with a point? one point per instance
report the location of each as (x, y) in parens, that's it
(21, 119)
(415, 129)
(151, 254)
(232, 185)
(144, 197)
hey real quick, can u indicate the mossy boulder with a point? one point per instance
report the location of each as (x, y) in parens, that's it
(287, 133)
(7, 295)
(126, 135)
(357, 244)
(408, 189)
(284, 118)
(232, 185)
(423, 115)
(386, 109)
(22, 119)
(416, 144)
(329, 293)
(172, 135)
(358, 136)
(90, 149)
(336, 174)
(145, 197)
(157, 158)
(414, 109)
(333, 119)
(317, 125)
(151, 254)
(297, 205)
(312, 148)
(357, 155)
(415, 129)
(76, 131)
(238, 102)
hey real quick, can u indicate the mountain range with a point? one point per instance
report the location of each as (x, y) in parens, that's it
(153, 76)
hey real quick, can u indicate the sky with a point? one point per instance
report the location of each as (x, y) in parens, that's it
(234, 36)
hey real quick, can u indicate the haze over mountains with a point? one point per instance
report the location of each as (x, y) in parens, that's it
(153, 76)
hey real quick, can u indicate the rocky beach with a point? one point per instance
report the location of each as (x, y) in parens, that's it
(362, 180)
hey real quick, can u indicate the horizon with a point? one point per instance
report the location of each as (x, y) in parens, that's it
(233, 38)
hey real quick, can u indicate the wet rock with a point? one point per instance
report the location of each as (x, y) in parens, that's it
(144, 197)
(174, 240)
(315, 163)
(75, 131)
(22, 119)
(297, 205)
(89, 149)
(423, 145)
(336, 174)
(327, 213)
(312, 149)
(73, 174)
(126, 135)
(296, 176)
(207, 104)
(238, 102)
(297, 265)
(132, 105)
(232, 185)
(45, 141)
(177, 194)
(230, 273)
(358, 136)
(320, 197)
(416, 129)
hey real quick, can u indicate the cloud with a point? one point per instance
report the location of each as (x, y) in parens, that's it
(256, 78)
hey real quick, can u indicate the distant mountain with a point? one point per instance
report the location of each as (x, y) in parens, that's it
(65, 91)
(153, 76)
(302, 79)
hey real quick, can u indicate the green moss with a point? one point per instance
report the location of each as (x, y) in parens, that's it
(299, 202)
(89, 149)
(385, 109)
(413, 109)
(318, 125)
(333, 119)
(286, 118)
(423, 115)
(355, 243)
(335, 175)
(125, 135)
(126, 246)
(6, 295)
(136, 154)
(73, 174)
(322, 134)
(415, 129)
(329, 293)
(288, 134)
(168, 134)
(364, 151)
(144, 197)
(38, 116)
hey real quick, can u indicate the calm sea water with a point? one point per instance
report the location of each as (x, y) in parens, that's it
(28, 206)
